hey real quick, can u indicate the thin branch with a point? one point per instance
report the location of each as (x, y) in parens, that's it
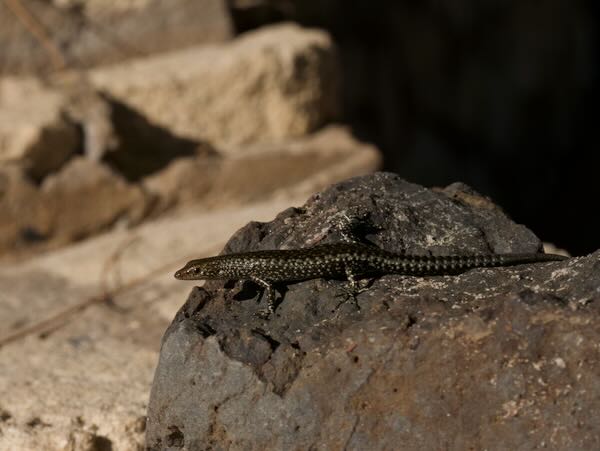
(59, 319)
(37, 30)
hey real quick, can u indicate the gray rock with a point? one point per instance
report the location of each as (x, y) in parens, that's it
(502, 358)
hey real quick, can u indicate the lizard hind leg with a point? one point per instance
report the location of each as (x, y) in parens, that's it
(352, 291)
(354, 284)
(269, 291)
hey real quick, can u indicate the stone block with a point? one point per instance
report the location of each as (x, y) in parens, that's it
(267, 85)
(34, 131)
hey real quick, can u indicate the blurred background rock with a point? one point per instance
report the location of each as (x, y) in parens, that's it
(112, 113)
(501, 96)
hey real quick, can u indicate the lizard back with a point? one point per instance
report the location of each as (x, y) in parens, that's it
(338, 260)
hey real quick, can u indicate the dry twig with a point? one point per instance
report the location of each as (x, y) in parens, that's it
(38, 31)
(47, 325)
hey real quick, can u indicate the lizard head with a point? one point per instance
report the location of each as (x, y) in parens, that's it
(203, 268)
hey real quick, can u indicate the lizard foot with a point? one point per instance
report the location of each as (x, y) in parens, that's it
(349, 294)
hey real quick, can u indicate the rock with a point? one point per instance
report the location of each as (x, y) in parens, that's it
(43, 125)
(171, 171)
(275, 83)
(34, 132)
(86, 197)
(83, 34)
(294, 167)
(83, 198)
(142, 147)
(21, 222)
(92, 113)
(302, 165)
(84, 376)
(501, 358)
(184, 181)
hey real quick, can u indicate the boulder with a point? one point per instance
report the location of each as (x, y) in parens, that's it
(270, 84)
(502, 358)
(34, 131)
(83, 198)
(86, 197)
(21, 222)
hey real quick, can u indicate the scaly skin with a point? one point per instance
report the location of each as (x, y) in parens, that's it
(339, 260)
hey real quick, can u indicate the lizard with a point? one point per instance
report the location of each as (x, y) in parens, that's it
(340, 260)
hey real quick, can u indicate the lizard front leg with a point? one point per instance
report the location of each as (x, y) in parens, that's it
(353, 290)
(270, 292)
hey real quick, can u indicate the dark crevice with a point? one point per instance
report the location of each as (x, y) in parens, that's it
(274, 344)
(145, 148)
(101, 443)
(205, 329)
(5, 415)
(196, 301)
(37, 422)
(411, 321)
(175, 438)
(31, 235)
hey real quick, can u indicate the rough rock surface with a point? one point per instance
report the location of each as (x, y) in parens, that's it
(274, 83)
(91, 33)
(503, 358)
